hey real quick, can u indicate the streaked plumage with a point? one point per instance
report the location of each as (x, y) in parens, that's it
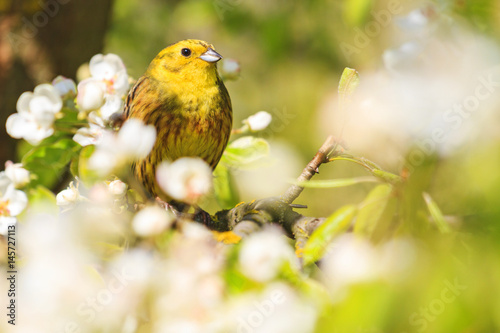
(185, 99)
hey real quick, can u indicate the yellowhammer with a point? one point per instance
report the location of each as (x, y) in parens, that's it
(182, 95)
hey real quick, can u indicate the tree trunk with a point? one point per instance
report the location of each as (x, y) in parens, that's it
(40, 39)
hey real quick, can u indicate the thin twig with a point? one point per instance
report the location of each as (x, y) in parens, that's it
(322, 156)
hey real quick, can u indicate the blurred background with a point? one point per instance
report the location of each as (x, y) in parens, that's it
(416, 60)
(428, 101)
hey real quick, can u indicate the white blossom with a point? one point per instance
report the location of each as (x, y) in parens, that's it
(113, 105)
(12, 203)
(264, 253)
(65, 86)
(69, 197)
(110, 69)
(351, 260)
(277, 309)
(17, 174)
(432, 95)
(117, 188)
(5, 222)
(93, 134)
(258, 121)
(134, 141)
(90, 94)
(35, 114)
(186, 179)
(105, 88)
(152, 220)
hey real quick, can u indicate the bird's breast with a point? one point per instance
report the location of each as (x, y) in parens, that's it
(199, 127)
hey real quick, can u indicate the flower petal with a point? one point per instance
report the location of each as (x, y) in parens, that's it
(5, 222)
(41, 108)
(136, 139)
(17, 200)
(84, 137)
(47, 90)
(117, 188)
(186, 179)
(64, 86)
(105, 67)
(18, 126)
(90, 94)
(103, 161)
(114, 104)
(152, 220)
(121, 84)
(4, 183)
(23, 102)
(17, 173)
(259, 121)
(36, 136)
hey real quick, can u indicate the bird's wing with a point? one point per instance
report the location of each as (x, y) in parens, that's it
(131, 97)
(148, 100)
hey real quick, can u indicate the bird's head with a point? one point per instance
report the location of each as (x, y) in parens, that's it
(189, 59)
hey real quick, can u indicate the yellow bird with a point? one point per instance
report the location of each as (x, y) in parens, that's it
(182, 95)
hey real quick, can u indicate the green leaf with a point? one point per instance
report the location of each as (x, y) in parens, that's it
(373, 210)
(49, 161)
(332, 183)
(333, 226)
(349, 81)
(386, 176)
(74, 165)
(245, 152)
(70, 116)
(436, 214)
(225, 191)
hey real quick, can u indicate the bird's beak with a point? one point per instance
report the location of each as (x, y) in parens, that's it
(210, 56)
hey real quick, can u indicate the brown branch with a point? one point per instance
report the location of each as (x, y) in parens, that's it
(246, 218)
(311, 169)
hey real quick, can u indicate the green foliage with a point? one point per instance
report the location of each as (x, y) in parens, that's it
(225, 190)
(50, 159)
(294, 45)
(349, 81)
(245, 152)
(436, 214)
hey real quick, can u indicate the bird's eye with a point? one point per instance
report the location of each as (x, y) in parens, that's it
(186, 52)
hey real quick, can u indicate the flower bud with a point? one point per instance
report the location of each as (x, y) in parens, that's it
(258, 121)
(90, 94)
(17, 174)
(68, 197)
(186, 179)
(117, 188)
(152, 220)
(64, 86)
